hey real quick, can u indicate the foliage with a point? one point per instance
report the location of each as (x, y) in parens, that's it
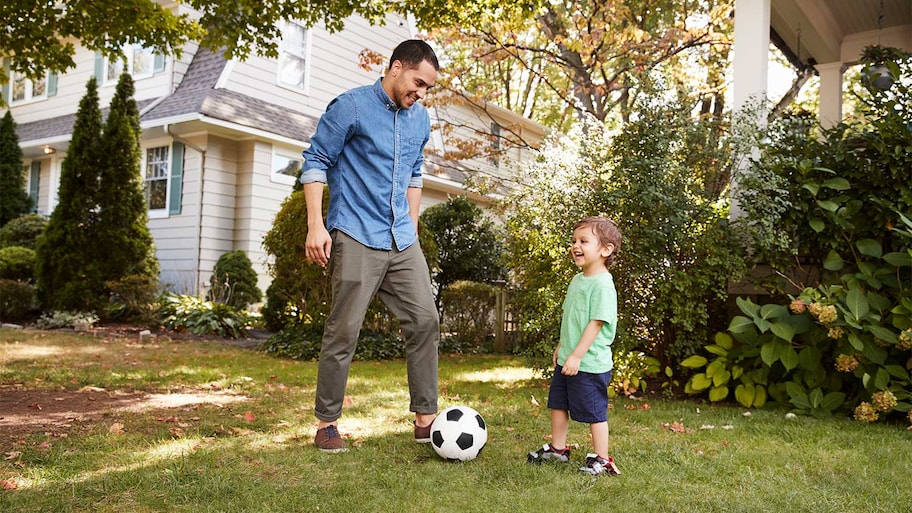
(133, 298)
(469, 246)
(303, 342)
(663, 178)
(234, 282)
(300, 290)
(22, 231)
(17, 263)
(122, 238)
(468, 313)
(17, 300)
(68, 273)
(63, 319)
(40, 36)
(189, 313)
(840, 203)
(14, 200)
(569, 59)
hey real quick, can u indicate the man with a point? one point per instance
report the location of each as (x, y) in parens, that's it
(368, 148)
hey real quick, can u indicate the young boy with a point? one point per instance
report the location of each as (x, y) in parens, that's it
(582, 359)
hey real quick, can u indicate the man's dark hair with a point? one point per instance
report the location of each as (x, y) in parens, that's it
(412, 52)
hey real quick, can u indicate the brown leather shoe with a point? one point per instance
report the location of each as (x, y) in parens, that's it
(328, 439)
(422, 434)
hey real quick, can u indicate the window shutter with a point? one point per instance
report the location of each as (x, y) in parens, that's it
(52, 84)
(177, 172)
(33, 184)
(159, 65)
(6, 87)
(99, 68)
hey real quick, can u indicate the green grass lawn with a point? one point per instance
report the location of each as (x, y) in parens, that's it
(203, 426)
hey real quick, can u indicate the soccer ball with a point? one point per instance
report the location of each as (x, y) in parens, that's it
(458, 434)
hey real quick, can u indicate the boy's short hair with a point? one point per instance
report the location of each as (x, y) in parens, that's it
(606, 231)
(412, 52)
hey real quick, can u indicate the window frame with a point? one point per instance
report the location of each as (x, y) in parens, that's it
(127, 59)
(303, 55)
(29, 88)
(163, 212)
(287, 154)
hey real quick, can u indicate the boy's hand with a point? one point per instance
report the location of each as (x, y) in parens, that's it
(571, 365)
(554, 357)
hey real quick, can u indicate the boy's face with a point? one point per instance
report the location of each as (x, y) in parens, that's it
(586, 250)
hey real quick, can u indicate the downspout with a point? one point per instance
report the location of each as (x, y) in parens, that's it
(199, 215)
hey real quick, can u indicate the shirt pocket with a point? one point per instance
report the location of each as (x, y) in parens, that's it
(411, 151)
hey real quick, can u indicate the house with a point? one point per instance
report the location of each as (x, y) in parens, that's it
(222, 139)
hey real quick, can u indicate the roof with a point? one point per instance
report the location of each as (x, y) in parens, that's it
(197, 94)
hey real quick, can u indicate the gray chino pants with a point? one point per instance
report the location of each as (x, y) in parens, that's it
(402, 281)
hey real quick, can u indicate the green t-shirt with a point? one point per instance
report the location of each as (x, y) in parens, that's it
(588, 298)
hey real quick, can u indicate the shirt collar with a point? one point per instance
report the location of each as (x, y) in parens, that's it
(383, 97)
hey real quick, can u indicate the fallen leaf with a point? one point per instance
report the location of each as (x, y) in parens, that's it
(534, 401)
(12, 455)
(347, 402)
(509, 428)
(707, 426)
(35, 406)
(645, 406)
(9, 484)
(176, 432)
(249, 416)
(116, 428)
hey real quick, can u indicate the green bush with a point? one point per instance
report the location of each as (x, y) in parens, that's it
(17, 263)
(22, 231)
(62, 319)
(303, 342)
(133, 298)
(663, 177)
(234, 282)
(17, 300)
(192, 314)
(468, 314)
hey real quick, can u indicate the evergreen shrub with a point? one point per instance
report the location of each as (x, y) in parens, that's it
(17, 300)
(234, 282)
(17, 263)
(22, 231)
(468, 314)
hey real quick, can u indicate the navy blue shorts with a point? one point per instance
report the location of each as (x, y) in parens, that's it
(585, 395)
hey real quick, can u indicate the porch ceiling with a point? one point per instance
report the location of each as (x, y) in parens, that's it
(836, 30)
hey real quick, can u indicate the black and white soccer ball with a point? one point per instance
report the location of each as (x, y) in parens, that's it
(458, 434)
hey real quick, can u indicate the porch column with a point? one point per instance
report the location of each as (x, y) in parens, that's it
(830, 110)
(751, 67)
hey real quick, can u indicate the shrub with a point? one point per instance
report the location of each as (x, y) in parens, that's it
(132, 298)
(193, 315)
(303, 342)
(17, 300)
(22, 231)
(234, 282)
(468, 313)
(17, 263)
(63, 319)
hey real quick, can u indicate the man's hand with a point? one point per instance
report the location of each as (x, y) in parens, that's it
(318, 244)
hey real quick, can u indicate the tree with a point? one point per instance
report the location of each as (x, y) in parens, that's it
(14, 201)
(39, 36)
(122, 238)
(468, 244)
(68, 274)
(234, 282)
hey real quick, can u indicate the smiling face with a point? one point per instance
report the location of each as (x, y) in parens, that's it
(405, 86)
(587, 252)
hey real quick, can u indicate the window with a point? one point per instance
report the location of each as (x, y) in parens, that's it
(155, 164)
(286, 165)
(24, 90)
(137, 60)
(494, 145)
(293, 55)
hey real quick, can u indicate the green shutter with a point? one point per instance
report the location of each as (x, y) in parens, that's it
(33, 184)
(159, 65)
(52, 84)
(6, 85)
(99, 68)
(177, 172)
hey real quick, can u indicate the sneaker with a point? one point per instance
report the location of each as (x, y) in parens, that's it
(597, 466)
(328, 439)
(422, 434)
(548, 453)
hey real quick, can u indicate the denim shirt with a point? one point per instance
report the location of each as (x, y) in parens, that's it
(369, 152)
